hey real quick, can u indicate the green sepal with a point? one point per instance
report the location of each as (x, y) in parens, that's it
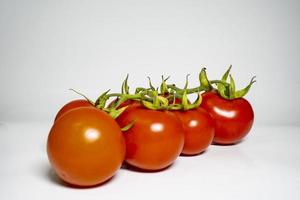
(222, 89)
(231, 88)
(184, 100)
(163, 101)
(243, 92)
(128, 126)
(114, 103)
(90, 101)
(197, 102)
(164, 86)
(114, 113)
(101, 101)
(148, 105)
(204, 82)
(150, 84)
(173, 96)
(119, 101)
(154, 95)
(175, 107)
(225, 75)
(139, 89)
(125, 87)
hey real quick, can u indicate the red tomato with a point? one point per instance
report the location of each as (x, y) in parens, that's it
(85, 146)
(71, 105)
(199, 130)
(233, 118)
(155, 140)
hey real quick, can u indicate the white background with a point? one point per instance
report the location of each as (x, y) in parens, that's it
(47, 47)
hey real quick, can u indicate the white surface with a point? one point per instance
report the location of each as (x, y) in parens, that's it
(264, 166)
(49, 46)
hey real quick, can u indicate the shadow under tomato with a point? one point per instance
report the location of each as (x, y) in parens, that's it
(193, 155)
(51, 176)
(129, 167)
(231, 144)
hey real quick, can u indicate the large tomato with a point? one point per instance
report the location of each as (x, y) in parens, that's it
(71, 105)
(85, 146)
(199, 130)
(155, 140)
(233, 118)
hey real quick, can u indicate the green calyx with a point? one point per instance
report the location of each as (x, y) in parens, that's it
(228, 90)
(205, 85)
(162, 103)
(167, 95)
(185, 102)
(125, 87)
(85, 97)
(101, 100)
(204, 82)
(113, 110)
(114, 113)
(128, 126)
(166, 100)
(163, 86)
(151, 99)
(142, 89)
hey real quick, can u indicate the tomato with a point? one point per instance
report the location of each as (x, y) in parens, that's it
(199, 130)
(155, 140)
(233, 118)
(85, 147)
(71, 105)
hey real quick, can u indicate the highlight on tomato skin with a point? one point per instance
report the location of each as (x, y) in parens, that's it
(154, 141)
(199, 130)
(78, 103)
(85, 147)
(233, 118)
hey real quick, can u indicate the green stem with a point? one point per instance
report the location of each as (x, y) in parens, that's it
(219, 81)
(195, 89)
(189, 91)
(79, 93)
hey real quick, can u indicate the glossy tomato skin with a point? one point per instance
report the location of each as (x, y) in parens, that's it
(198, 128)
(71, 105)
(154, 141)
(85, 147)
(233, 118)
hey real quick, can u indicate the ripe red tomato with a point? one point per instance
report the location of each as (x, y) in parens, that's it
(233, 118)
(71, 105)
(85, 146)
(199, 130)
(155, 140)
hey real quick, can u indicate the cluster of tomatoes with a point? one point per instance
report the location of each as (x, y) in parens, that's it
(149, 129)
